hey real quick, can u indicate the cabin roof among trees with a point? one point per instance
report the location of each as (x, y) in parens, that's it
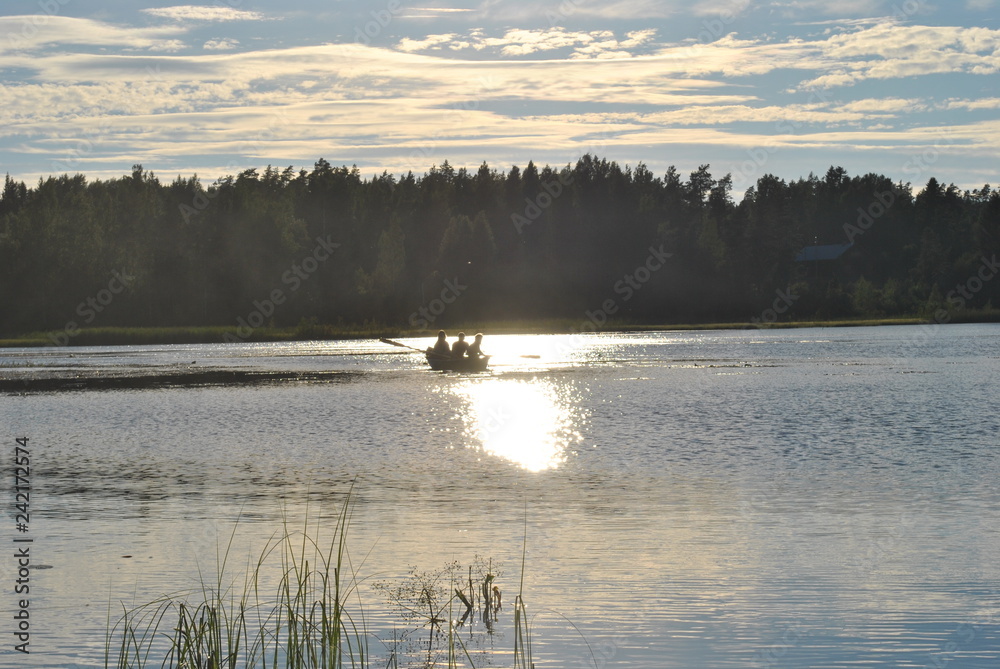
(822, 252)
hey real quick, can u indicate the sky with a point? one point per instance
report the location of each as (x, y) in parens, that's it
(904, 88)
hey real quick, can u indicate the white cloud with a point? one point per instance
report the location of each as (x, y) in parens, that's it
(627, 9)
(825, 7)
(427, 12)
(203, 13)
(721, 8)
(884, 105)
(886, 50)
(221, 44)
(985, 103)
(31, 33)
(889, 51)
(561, 12)
(521, 42)
(428, 43)
(638, 38)
(486, 91)
(525, 42)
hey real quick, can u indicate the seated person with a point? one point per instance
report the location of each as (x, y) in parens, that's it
(475, 350)
(441, 346)
(459, 348)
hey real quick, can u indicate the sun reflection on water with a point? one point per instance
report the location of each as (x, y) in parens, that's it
(530, 423)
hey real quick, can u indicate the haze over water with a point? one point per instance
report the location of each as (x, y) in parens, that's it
(817, 497)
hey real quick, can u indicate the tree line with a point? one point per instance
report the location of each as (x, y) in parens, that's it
(591, 241)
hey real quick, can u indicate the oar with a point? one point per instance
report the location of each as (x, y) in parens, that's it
(412, 348)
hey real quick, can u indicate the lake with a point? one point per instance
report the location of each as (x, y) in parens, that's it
(772, 498)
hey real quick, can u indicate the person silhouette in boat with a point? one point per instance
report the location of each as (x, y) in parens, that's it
(475, 350)
(441, 347)
(459, 348)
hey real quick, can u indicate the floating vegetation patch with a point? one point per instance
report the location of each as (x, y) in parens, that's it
(179, 379)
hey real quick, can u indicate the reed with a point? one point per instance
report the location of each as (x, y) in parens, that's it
(306, 622)
(522, 626)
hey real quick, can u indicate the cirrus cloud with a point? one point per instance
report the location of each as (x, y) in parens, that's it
(500, 91)
(203, 13)
(31, 33)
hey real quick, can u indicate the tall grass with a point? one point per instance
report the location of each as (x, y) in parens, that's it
(522, 630)
(305, 623)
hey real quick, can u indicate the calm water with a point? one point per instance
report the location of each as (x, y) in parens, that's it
(799, 498)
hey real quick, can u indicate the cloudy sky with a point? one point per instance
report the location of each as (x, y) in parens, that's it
(905, 88)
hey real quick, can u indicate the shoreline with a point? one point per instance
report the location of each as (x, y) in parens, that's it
(151, 336)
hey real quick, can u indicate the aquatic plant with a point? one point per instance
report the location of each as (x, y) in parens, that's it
(307, 622)
(442, 603)
(522, 630)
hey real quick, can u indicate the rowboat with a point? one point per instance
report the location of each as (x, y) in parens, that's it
(443, 364)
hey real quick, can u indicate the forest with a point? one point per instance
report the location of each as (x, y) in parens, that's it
(592, 242)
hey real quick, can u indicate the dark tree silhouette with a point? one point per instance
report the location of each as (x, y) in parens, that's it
(330, 245)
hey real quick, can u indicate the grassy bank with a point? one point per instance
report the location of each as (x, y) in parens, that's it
(138, 336)
(126, 336)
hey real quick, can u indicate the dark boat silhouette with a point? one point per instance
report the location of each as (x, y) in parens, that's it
(447, 364)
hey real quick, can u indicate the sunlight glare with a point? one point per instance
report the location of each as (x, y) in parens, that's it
(521, 421)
